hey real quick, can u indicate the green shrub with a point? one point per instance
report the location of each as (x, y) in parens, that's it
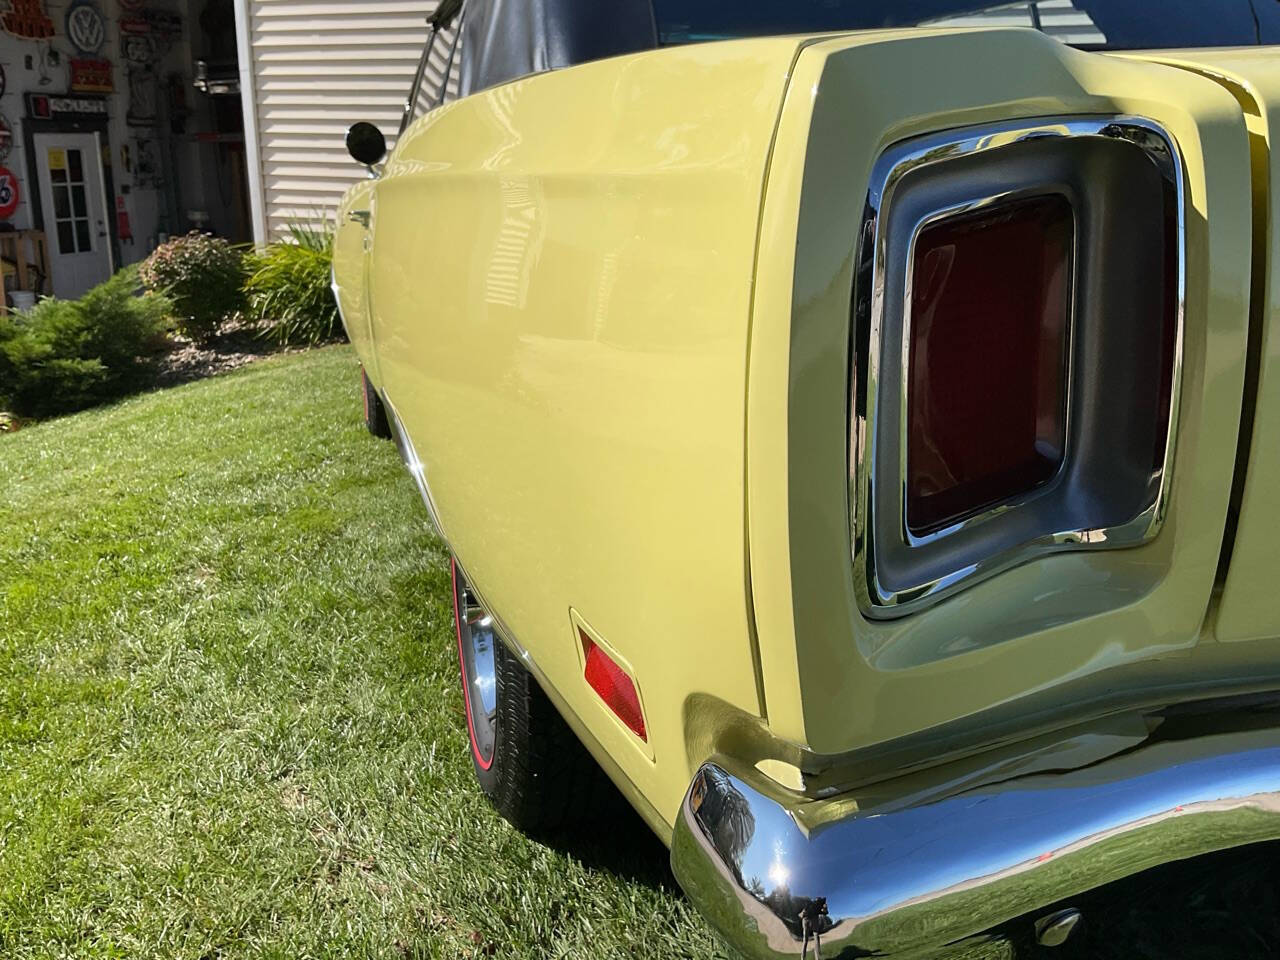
(65, 355)
(289, 291)
(204, 275)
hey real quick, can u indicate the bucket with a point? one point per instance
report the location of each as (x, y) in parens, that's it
(22, 299)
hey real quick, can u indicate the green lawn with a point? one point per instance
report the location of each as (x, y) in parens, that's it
(230, 723)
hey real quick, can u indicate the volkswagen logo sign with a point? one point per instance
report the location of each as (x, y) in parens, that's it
(86, 27)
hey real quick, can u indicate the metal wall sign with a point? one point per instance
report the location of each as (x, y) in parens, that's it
(163, 27)
(86, 27)
(166, 27)
(144, 98)
(146, 164)
(137, 49)
(6, 137)
(91, 75)
(41, 106)
(27, 19)
(10, 193)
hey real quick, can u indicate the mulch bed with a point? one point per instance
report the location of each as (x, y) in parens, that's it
(236, 343)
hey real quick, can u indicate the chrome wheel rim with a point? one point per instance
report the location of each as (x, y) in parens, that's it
(477, 647)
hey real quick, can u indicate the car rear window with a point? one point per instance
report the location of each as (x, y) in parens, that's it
(1090, 24)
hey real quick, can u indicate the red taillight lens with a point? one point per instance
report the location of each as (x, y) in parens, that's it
(615, 688)
(986, 403)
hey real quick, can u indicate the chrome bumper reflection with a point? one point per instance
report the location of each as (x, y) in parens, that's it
(783, 877)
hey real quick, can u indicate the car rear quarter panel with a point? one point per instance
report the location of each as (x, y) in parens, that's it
(1062, 633)
(562, 279)
(1250, 606)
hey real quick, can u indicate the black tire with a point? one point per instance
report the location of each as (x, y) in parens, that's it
(375, 413)
(535, 771)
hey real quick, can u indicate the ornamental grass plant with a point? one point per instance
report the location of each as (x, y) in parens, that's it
(289, 290)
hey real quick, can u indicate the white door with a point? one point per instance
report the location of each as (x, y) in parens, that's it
(72, 196)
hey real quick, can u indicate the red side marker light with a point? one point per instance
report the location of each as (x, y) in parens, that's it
(615, 688)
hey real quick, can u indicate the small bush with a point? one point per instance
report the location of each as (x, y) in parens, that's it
(289, 290)
(64, 355)
(203, 275)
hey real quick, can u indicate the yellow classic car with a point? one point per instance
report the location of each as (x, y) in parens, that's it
(854, 423)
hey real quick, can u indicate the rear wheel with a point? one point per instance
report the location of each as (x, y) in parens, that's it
(529, 763)
(375, 412)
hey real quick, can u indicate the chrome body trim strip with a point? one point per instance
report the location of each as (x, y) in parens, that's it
(337, 299)
(783, 877)
(875, 599)
(413, 463)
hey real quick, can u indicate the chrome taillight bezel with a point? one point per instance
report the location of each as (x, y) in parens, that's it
(876, 476)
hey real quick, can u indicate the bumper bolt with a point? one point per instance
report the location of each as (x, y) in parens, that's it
(1056, 928)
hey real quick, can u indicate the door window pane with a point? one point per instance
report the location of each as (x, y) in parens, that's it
(70, 200)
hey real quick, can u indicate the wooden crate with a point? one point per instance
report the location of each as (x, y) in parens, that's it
(24, 258)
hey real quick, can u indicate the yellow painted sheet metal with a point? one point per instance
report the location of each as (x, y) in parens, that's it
(561, 280)
(1060, 633)
(350, 261)
(628, 383)
(1250, 607)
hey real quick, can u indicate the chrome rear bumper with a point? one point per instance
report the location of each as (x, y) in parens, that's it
(781, 876)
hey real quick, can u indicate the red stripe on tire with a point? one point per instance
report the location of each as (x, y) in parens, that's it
(462, 669)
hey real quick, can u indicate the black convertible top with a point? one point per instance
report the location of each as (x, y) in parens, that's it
(506, 39)
(503, 40)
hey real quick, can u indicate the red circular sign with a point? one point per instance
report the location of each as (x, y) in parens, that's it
(9, 193)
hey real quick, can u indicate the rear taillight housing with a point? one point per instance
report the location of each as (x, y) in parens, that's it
(988, 343)
(1015, 367)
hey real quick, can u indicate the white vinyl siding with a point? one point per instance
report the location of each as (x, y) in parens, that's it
(317, 67)
(444, 55)
(1060, 19)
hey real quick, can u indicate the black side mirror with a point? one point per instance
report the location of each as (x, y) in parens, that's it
(366, 143)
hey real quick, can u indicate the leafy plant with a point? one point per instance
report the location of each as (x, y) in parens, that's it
(63, 355)
(289, 291)
(204, 275)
